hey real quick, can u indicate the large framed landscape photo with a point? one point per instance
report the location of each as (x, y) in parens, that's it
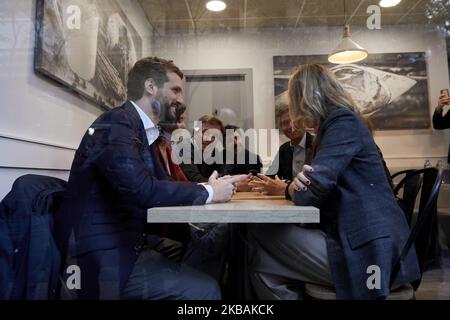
(390, 88)
(88, 46)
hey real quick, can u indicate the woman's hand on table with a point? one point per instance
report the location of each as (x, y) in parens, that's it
(301, 182)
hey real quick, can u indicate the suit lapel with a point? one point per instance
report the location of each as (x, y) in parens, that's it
(309, 150)
(160, 173)
(147, 151)
(289, 159)
(136, 122)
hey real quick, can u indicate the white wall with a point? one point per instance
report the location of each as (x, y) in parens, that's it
(41, 123)
(255, 49)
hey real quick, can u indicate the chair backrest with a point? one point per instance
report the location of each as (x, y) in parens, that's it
(421, 231)
(410, 184)
(405, 172)
(427, 237)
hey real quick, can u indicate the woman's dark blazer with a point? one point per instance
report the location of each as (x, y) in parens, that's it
(365, 227)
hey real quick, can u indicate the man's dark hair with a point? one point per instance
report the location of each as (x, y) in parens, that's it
(213, 121)
(150, 67)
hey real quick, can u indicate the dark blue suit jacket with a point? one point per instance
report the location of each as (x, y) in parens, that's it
(115, 177)
(363, 223)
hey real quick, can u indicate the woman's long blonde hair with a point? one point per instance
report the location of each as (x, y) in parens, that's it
(314, 92)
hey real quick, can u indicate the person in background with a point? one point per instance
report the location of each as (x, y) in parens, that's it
(202, 244)
(115, 178)
(361, 224)
(200, 172)
(181, 124)
(441, 121)
(164, 143)
(289, 161)
(243, 161)
(178, 232)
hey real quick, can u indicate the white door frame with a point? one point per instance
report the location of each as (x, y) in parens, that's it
(245, 74)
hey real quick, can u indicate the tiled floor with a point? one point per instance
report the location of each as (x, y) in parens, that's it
(436, 282)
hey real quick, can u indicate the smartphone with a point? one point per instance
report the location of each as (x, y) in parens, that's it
(444, 91)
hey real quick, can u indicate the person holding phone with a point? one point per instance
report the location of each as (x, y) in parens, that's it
(441, 121)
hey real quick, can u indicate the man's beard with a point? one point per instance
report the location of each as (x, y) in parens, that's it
(167, 118)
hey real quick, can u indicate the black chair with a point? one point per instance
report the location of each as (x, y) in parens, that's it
(424, 231)
(410, 185)
(405, 172)
(420, 236)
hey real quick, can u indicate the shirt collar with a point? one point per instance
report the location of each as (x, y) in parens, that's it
(150, 128)
(302, 142)
(146, 121)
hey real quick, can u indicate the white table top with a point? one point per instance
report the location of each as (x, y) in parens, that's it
(245, 207)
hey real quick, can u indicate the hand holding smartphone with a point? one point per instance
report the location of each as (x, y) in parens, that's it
(444, 100)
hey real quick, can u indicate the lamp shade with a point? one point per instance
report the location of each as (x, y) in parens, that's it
(389, 3)
(347, 51)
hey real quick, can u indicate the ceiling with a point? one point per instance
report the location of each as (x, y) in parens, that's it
(192, 15)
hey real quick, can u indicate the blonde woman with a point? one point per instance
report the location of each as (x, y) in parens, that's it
(361, 224)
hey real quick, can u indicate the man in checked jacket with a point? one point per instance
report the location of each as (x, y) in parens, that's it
(115, 177)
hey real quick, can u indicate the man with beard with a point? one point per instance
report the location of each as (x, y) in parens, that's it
(199, 172)
(243, 161)
(115, 177)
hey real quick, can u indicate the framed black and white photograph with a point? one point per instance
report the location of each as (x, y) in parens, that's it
(88, 46)
(390, 88)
